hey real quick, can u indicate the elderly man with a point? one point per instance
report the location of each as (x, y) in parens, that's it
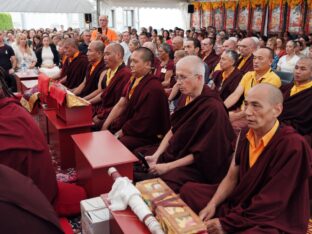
(83, 46)
(104, 33)
(227, 45)
(246, 47)
(208, 53)
(89, 88)
(262, 60)
(198, 146)
(298, 95)
(75, 66)
(177, 43)
(112, 85)
(267, 182)
(141, 116)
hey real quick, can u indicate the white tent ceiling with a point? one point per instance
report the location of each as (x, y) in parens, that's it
(47, 6)
(144, 3)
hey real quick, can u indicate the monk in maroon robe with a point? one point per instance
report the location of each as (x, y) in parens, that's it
(227, 79)
(75, 65)
(267, 183)
(209, 55)
(297, 110)
(24, 208)
(113, 83)
(141, 117)
(23, 147)
(198, 146)
(246, 48)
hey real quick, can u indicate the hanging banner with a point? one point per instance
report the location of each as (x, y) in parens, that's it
(295, 16)
(218, 12)
(230, 14)
(206, 16)
(258, 13)
(243, 15)
(195, 20)
(308, 27)
(276, 15)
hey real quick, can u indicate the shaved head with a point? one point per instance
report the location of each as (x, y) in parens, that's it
(150, 45)
(98, 45)
(177, 43)
(194, 64)
(269, 92)
(71, 42)
(116, 48)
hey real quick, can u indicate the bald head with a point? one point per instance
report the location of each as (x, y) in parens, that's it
(247, 46)
(150, 45)
(71, 42)
(177, 43)
(98, 46)
(269, 93)
(116, 48)
(194, 64)
(229, 45)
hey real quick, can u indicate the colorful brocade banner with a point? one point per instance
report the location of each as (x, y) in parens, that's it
(276, 15)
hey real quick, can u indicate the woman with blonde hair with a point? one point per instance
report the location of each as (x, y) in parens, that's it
(25, 56)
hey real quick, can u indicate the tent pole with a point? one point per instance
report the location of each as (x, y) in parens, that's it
(98, 10)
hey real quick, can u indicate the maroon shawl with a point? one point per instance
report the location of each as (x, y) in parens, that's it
(228, 86)
(112, 93)
(248, 66)
(92, 80)
(212, 60)
(202, 128)
(75, 71)
(297, 110)
(24, 148)
(273, 194)
(24, 208)
(147, 113)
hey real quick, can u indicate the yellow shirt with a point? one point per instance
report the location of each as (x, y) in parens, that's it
(242, 63)
(297, 89)
(74, 56)
(255, 151)
(187, 100)
(93, 67)
(217, 68)
(249, 80)
(134, 85)
(110, 74)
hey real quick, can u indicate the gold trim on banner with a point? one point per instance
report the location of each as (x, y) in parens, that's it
(216, 5)
(275, 3)
(196, 5)
(231, 5)
(309, 4)
(206, 6)
(244, 3)
(293, 3)
(255, 3)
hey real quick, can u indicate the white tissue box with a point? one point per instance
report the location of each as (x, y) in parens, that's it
(95, 216)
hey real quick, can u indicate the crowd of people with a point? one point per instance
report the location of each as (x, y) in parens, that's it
(209, 110)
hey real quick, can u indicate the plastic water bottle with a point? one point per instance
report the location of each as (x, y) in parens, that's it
(23, 66)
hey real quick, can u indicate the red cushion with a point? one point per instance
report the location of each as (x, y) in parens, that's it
(43, 84)
(66, 226)
(68, 199)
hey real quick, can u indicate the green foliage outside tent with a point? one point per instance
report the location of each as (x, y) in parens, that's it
(6, 22)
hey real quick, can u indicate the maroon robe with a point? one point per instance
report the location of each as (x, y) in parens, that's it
(297, 111)
(92, 80)
(24, 208)
(212, 60)
(112, 93)
(159, 72)
(23, 147)
(201, 128)
(75, 71)
(146, 118)
(270, 197)
(228, 86)
(248, 66)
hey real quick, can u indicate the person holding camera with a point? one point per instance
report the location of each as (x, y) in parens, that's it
(104, 33)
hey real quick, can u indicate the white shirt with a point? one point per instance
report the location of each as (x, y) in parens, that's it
(28, 58)
(47, 56)
(127, 52)
(288, 66)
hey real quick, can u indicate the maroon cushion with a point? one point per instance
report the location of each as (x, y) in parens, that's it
(68, 199)
(67, 228)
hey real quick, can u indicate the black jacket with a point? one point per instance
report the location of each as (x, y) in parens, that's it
(56, 57)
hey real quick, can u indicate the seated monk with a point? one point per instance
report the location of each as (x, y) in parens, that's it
(24, 208)
(198, 146)
(267, 183)
(227, 45)
(208, 53)
(95, 71)
(141, 116)
(75, 66)
(246, 48)
(298, 100)
(112, 85)
(227, 79)
(262, 60)
(24, 148)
